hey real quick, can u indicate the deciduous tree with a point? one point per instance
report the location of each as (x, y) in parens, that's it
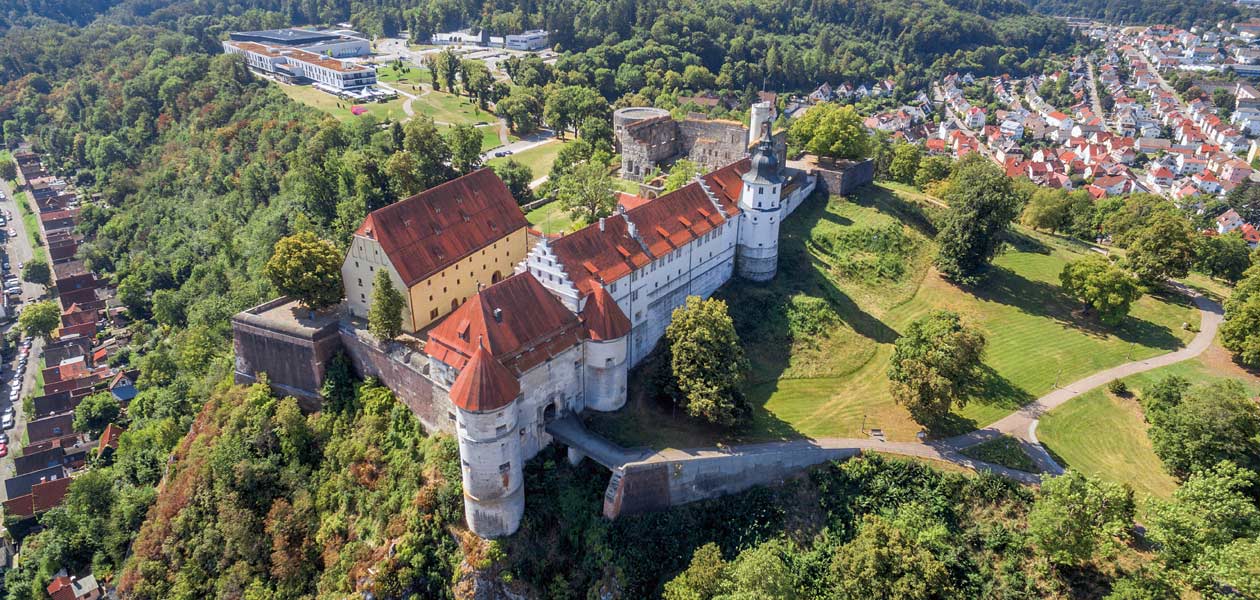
(1225, 256)
(95, 412)
(307, 269)
(587, 192)
(517, 177)
(707, 361)
(37, 271)
(905, 162)
(982, 204)
(934, 363)
(1162, 249)
(1077, 517)
(1212, 423)
(831, 130)
(1099, 284)
(40, 318)
(465, 143)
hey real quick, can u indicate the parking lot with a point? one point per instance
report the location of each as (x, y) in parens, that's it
(18, 367)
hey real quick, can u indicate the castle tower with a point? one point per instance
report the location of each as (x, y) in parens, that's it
(761, 113)
(757, 253)
(485, 397)
(606, 350)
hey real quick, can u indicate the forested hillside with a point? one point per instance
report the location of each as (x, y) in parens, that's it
(202, 168)
(1143, 12)
(795, 44)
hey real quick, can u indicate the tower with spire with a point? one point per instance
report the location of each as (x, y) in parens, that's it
(760, 202)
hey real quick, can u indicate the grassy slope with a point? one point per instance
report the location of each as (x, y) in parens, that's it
(550, 218)
(1105, 436)
(836, 385)
(538, 158)
(308, 95)
(451, 109)
(31, 223)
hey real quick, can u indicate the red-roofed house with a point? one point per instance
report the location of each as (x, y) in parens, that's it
(438, 246)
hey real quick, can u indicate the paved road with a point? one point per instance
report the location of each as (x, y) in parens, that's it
(19, 250)
(1022, 424)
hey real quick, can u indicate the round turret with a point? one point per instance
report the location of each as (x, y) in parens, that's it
(606, 349)
(484, 395)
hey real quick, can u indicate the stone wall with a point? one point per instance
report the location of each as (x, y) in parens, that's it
(842, 178)
(293, 356)
(674, 477)
(402, 370)
(712, 143)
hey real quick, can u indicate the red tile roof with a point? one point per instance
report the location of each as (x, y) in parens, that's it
(484, 384)
(436, 228)
(675, 219)
(727, 183)
(599, 253)
(602, 253)
(602, 317)
(518, 321)
(109, 438)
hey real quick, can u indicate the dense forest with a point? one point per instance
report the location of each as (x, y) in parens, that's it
(1144, 12)
(202, 168)
(620, 46)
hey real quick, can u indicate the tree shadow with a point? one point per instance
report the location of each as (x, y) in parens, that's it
(1023, 242)
(1041, 299)
(888, 202)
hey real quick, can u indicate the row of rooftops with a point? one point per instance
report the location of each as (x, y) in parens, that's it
(76, 364)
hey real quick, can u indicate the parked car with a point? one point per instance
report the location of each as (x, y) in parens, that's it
(4, 438)
(11, 232)
(7, 422)
(4, 449)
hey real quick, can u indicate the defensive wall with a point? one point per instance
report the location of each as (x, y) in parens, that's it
(673, 477)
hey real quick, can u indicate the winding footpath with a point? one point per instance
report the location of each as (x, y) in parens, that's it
(1021, 424)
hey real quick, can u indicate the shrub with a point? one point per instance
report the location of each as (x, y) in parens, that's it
(1118, 387)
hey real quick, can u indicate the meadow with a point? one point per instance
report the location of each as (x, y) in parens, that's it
(819, 337)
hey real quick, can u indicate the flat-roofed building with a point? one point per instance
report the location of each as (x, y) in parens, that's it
(336, 44)
(536, 39)
(295, 65)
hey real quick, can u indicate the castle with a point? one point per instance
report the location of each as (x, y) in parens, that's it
(649, 139)
(499, 358)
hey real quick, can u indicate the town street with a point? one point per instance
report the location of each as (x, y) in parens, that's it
(20, 252)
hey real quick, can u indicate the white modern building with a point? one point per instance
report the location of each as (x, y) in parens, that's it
(295, 65)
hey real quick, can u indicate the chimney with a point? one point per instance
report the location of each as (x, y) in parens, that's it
(498, 315)
(601, 224)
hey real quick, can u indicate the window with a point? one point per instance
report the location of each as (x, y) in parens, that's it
(433, 314)
(451, 416)
(505, 468)
(360, 282)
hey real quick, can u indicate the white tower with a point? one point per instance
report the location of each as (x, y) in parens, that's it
(485, 395)
(606, 349)
(757, 252)
(762, 113)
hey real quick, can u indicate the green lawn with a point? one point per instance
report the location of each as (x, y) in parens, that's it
(834, 383)
(308, 95)
(30, 222)
(538, 158)
(450, 109)
(409, 75)
(1104, 436)
(550, 218)
(1003, 451)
